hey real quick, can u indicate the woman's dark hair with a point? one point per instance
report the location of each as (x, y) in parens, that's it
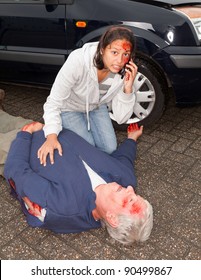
(112, 34)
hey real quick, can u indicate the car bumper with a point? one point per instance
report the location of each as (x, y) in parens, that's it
(186, 61)
(182, 66)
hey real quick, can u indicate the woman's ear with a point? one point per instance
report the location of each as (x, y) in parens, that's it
(112, 219)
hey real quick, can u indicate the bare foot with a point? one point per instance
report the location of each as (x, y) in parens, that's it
(32, 127)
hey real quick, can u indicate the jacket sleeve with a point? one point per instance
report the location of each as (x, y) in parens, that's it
(18, 170)
(126, 153)
(122, 106)
(60, 92)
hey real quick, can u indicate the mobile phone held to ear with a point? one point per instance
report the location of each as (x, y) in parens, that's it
(123, 70)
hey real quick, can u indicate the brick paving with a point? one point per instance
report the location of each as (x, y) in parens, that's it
(168, 168)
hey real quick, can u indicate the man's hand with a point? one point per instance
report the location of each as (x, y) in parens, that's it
(32, 127)
(33, 208)
(134, 131)
(48, 148)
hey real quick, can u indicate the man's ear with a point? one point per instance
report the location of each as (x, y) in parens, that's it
(112, 219)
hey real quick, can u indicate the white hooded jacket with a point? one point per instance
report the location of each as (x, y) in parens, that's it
(76, 88)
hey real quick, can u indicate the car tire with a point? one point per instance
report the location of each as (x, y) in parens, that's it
(150, 96)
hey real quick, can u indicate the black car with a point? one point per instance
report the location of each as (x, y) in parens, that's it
(36, 36)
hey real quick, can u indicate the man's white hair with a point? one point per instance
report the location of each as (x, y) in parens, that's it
(132, 227)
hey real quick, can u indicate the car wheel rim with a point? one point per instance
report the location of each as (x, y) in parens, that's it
(145, 99)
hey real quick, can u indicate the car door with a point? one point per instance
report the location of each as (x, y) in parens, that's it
(32, 33)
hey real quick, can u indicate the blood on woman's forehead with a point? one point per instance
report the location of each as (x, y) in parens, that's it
(126, 46)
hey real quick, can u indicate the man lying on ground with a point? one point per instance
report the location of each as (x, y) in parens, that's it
(84, 189)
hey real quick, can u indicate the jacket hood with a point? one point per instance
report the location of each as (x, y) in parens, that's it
(89, 50)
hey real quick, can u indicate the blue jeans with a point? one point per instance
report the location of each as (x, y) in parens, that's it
(101, 133)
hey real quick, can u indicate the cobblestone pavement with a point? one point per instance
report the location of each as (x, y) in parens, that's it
(169, 176)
